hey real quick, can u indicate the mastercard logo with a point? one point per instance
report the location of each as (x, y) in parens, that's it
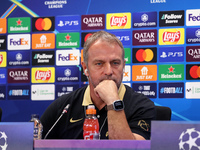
(87, 36)
(43, 24)
(144, 55)
(195, 72)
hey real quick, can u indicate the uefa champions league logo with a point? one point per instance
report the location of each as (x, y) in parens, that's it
(189, 140)
(3, 141)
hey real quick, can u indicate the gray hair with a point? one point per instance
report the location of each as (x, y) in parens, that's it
(104, 36)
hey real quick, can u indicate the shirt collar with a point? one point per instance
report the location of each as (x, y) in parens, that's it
(87, 99)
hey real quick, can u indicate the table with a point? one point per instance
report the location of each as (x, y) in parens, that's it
(92, 144)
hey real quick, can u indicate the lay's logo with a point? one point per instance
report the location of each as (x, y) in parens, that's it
(119, 21)
(43, 75)
(3, 60)
(171, 36)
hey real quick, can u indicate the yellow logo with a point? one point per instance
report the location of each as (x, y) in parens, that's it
(145, 126)
(171, 36)
(118, 21)
(43, 75)
(3, 59)
(73, 121)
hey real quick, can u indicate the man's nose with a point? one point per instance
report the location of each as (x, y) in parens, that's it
(108, 69)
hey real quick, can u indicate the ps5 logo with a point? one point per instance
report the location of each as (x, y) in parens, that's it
(171, 54)
(67, 23)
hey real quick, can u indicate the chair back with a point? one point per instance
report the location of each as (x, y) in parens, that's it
(163, 113)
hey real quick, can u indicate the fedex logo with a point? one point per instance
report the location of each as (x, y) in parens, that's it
(70, 57)
(67, 57)
(193, 17)
(19, 42)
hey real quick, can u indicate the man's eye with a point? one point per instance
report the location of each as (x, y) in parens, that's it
(98, 64)
(116, 63)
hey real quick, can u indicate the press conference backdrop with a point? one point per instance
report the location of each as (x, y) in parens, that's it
(41, 45)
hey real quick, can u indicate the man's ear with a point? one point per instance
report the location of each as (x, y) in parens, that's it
(85, 70)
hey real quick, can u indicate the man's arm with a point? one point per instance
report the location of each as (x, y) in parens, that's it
(118, 127)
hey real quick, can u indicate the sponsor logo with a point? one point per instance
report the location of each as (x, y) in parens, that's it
(2, 92)
(127, 73)
(3, 59)
(67, 74)
(43, 92)
(65, 89)
(193, 72)
(192, 35)
(144, 19)
(171, 36)
(84, 37)
(192, 53)
(3, 73)
(123, 36)
(55, 4)
(67, 57)
(19, 25)
(118, 21)
(127, 56)
(144, 37)
(3, 42)
(19, 42)
(19, 75)
(3, 25)
(93, 22)
(19, 92)
(148, 89)
(43, 41)
(171, 54)
(158, 1)
(193, 17)
(43, 75)
(43, 24)
(21, 58)
(144, 73)
(67, 40)
(64, 23)
(171, 90)
(43, 58)
(192, 90)
(171, 72)
(144, 55)
(171, 18)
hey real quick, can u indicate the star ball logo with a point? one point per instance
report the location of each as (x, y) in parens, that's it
(189, 139)
(43, 24)
(144, 55)
(193, 71)
(4, 137)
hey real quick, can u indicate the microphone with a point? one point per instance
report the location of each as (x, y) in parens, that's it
(63, 112)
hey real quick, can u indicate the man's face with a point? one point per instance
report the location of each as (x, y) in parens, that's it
(105, 63)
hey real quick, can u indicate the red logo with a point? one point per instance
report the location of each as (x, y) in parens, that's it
(171, 69)
(1, 59)
(172, 37)
(68, 37)
(19, 22)
(118, 21)
(195, 72)
(43, 24)
(43, 75)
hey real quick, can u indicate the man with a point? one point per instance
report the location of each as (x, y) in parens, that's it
(103, 65)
